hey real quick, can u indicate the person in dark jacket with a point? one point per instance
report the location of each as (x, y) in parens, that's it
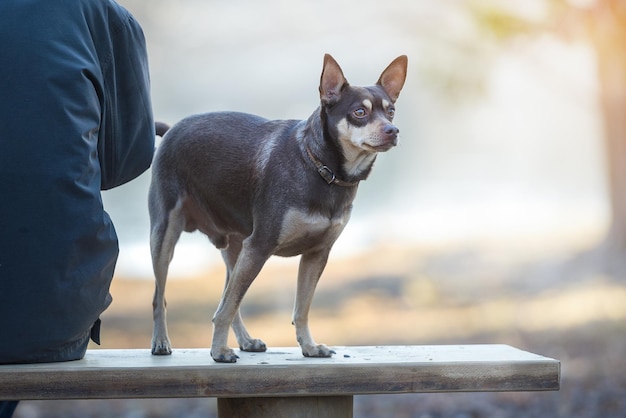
(75, 119)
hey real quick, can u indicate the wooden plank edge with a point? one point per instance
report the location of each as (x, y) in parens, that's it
(310, 380)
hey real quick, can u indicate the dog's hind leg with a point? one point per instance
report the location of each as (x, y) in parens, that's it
(165, 230)
(310, 269)
(245, 341)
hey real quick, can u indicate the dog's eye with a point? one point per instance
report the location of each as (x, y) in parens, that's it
(360, 113)
(391, 112)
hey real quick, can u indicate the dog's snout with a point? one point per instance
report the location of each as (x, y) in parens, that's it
(388, 136)
(391, 130)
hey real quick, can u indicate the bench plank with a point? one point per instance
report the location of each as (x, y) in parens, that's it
(281, 372)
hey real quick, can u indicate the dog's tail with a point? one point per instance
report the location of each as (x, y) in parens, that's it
(161, 128)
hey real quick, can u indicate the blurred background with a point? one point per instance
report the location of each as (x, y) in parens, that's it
(500, 217)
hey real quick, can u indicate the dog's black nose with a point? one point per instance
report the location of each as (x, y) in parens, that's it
(391, 130)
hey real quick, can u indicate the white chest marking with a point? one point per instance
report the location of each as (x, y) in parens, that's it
(298, 225)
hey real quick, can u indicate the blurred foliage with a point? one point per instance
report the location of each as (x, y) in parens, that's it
(501, 23)
(579, 20)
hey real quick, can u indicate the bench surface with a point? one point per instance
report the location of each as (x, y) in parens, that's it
(281, 372)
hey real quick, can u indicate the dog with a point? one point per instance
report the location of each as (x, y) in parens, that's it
(258, 188)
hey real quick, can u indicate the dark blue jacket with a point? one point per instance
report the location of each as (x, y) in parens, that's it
(75, 118)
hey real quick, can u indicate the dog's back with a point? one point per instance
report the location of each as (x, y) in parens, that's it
(210, 144)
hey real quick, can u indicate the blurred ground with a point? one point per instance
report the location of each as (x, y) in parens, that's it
(537, 296)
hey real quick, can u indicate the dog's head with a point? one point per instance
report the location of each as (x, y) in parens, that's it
(361, 118)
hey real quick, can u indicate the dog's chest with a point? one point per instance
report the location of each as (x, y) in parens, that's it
(302, 231)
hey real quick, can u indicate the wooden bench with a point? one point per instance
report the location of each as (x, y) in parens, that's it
(281, 382)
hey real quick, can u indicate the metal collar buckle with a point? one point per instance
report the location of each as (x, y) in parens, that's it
(326, 173)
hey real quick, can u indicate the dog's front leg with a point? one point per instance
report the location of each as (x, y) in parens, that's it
(309, 272)
(246, 342)
(246, 269)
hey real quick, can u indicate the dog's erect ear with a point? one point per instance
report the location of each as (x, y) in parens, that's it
(332, 81)
(392, 79)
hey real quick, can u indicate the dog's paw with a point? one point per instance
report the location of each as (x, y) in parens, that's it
(253, 345)
(317, 351)
(161, 348)
(225, 355)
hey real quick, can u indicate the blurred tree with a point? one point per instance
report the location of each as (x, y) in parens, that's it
(602, 24)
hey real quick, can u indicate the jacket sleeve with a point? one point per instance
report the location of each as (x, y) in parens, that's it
(127, 133)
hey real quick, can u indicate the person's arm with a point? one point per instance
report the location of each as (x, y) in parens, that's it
(126, 140)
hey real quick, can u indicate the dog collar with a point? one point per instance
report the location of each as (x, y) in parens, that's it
(326, 173)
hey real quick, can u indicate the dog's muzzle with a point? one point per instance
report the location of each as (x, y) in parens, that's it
(389, 138)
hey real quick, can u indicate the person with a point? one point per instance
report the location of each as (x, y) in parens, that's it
(75, 119)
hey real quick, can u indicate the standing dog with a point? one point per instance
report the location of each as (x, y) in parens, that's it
(259, 188)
